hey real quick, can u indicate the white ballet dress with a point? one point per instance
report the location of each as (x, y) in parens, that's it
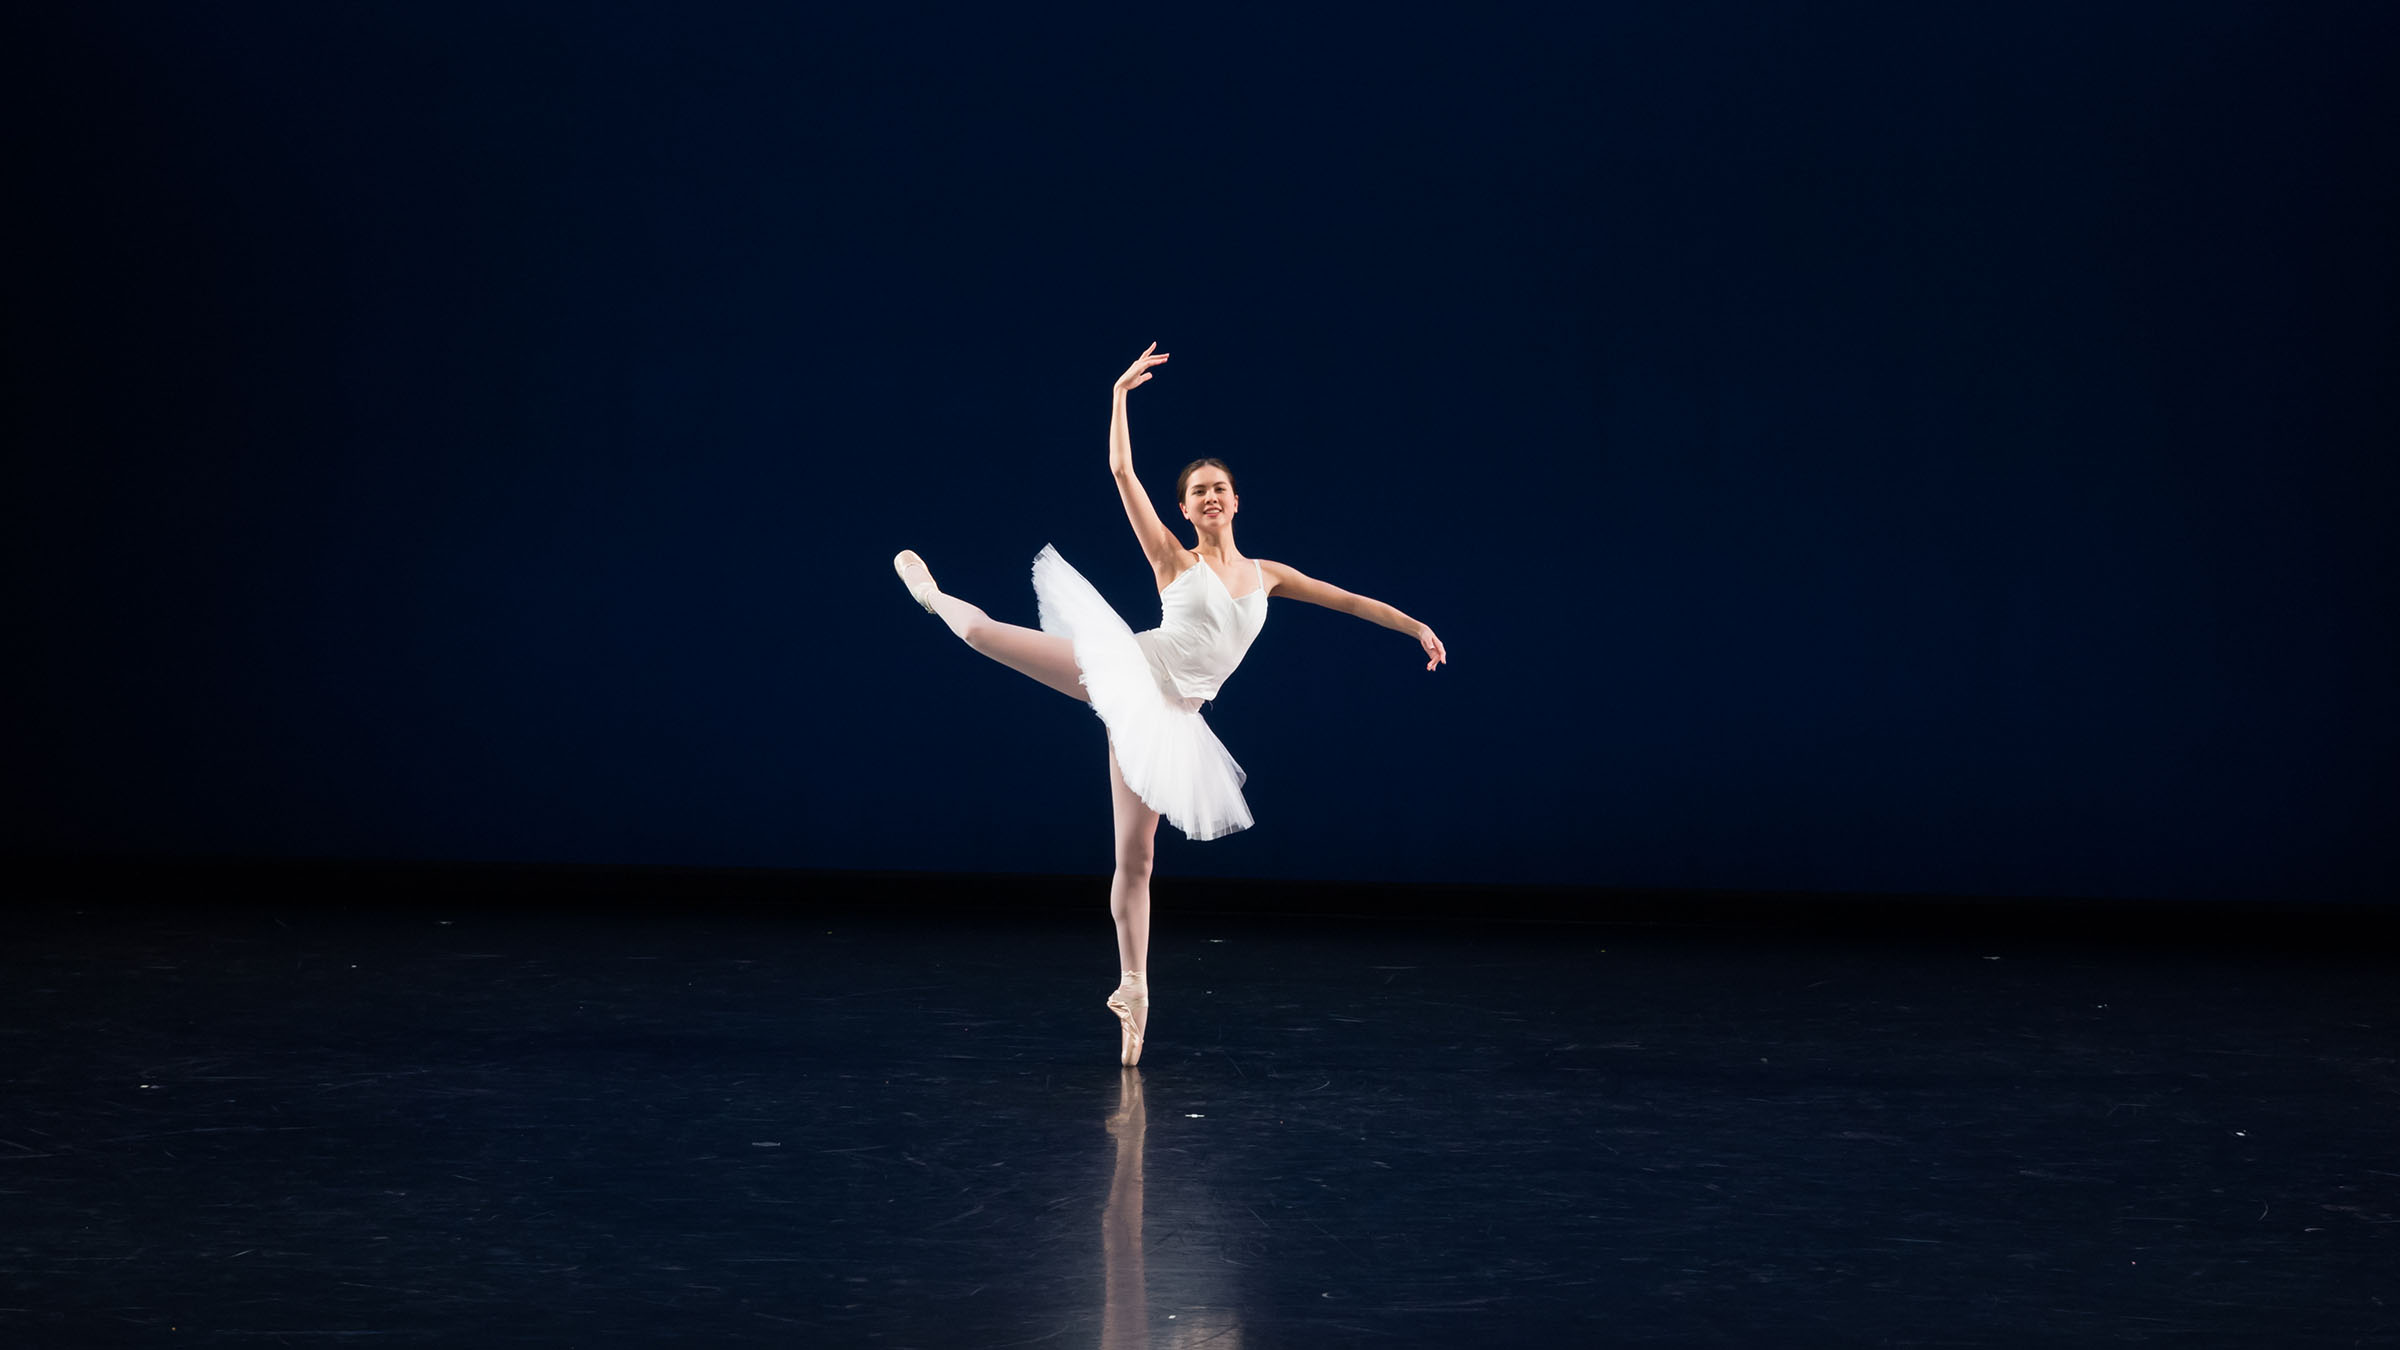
(1148, 687)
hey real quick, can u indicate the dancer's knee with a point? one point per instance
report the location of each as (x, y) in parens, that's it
(1133, 862)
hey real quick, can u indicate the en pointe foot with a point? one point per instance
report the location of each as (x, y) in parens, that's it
(1131, 1004)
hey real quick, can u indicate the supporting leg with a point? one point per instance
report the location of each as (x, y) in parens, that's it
(1129, 890)
(1129, 905)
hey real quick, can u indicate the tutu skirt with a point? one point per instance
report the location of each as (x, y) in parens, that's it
(1169, 757)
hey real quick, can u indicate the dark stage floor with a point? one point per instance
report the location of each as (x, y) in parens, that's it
(305, 1123)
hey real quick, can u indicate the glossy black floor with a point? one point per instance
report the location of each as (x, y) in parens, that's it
(302, 1123)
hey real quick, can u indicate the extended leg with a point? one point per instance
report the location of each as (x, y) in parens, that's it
(1047, 657)
(1129, 905)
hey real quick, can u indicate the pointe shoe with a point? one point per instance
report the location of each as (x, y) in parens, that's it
(1132, 994)
(914, 575)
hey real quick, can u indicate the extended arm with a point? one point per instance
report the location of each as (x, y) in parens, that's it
(1293, 584)
(1158, 544)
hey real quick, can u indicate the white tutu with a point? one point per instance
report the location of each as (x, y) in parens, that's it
(1169, 757)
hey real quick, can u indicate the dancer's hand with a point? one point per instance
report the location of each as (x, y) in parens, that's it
(1139, 371)
(1435, 655)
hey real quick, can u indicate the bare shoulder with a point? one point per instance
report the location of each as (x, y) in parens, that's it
(1290, 582)
(1287, 580)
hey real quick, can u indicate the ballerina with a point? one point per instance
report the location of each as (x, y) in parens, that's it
(1148, 687)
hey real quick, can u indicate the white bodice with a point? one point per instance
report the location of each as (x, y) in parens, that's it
(1203, 631)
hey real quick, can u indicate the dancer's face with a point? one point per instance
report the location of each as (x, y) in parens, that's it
(1208, 500)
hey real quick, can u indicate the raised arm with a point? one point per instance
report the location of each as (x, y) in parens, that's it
(1158, 544)
(1294, 584)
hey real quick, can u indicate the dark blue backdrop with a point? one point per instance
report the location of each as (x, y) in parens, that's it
(1853, 448)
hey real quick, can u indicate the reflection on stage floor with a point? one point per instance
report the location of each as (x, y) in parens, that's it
(534, 1127)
